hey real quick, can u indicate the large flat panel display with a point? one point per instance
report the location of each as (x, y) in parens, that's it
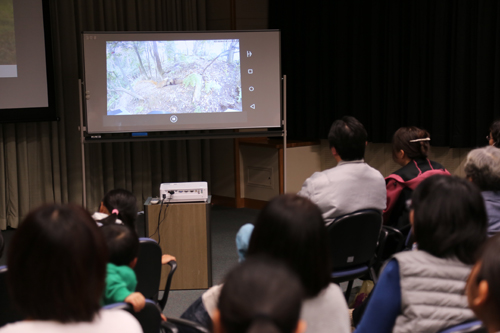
(140, 82)
(26, 78)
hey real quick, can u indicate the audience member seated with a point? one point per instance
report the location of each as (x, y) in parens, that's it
(57, 266)
(120, 207)
(291, 229)
(123, 246)
(117, 207)
(410, 146)
(259, 296)
(494, 137)
(483, 289)
(482, 167)
(424, 290)
(352, 185)
(243, 240)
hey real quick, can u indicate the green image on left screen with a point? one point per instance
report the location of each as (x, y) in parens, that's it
(7, 36)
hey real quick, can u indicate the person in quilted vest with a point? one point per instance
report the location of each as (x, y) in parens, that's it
(424, 290)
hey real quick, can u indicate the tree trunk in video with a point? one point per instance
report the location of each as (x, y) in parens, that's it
(143, 71)
(157, 58)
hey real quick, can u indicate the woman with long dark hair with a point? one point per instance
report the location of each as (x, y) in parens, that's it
(291, 229)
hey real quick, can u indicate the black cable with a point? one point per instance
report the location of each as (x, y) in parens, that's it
(164, 218)
(158, 224)
(160, 220)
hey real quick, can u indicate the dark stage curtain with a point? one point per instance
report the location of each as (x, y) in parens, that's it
(391, 63)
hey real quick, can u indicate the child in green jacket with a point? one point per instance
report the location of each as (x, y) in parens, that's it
(123, 247)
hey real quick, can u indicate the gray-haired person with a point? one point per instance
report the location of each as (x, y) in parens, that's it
(482, 167)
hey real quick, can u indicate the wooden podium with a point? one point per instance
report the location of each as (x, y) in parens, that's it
(183, 230)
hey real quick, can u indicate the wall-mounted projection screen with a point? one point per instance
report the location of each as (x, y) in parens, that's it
(26, 88)
(141, 82)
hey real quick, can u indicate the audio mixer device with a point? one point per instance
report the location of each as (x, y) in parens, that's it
(184, 192)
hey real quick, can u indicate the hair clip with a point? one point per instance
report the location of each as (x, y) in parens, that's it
(422, 139)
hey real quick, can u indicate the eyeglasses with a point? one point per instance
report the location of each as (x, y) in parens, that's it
(487, 138)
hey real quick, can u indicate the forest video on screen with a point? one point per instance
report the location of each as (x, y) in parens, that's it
(168, 77)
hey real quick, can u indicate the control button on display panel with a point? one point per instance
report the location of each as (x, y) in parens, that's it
(173, 119)
(249, 54)
(251, 88)
(252, 106)
(250, 71)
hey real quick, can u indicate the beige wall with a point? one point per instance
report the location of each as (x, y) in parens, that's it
(301, 162)
(257, 163)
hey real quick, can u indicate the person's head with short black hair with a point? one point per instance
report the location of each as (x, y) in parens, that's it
(123, 244)
(348, 136)
(449, 218)
(291, 228)
(482, 167)
(57, 265)
(494, 137)
(119, 204)
(409, 143)
(260, 296)
(483, 289)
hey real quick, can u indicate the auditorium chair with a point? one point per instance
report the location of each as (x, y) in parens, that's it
(148, 271)
(391, 241)
(353, 243)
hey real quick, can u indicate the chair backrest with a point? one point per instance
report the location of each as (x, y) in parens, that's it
(353, 238)
(149, 317)
(394, 242)
(148, 271)
(475, 326)
(148, 268)
(8, 313)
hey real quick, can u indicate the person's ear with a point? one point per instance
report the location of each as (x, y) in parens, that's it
(411, 217)
(482, 294)
(401, 154)
(334, 151)
(301, 326)
(216, 323)
(133, 263)
(366, 143)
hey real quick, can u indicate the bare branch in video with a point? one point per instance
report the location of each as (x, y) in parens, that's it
(160, 77)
